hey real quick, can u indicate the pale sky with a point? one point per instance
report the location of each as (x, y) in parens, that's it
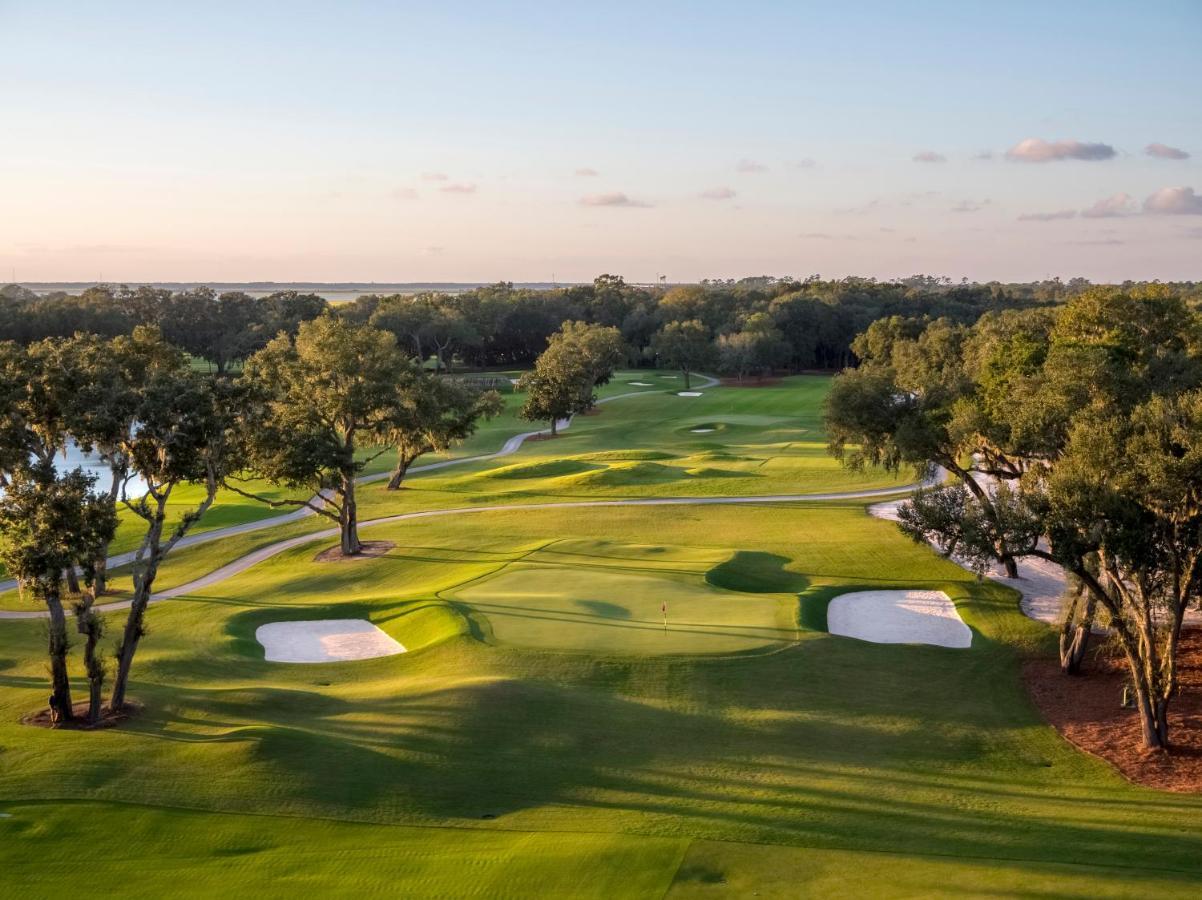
(478, 141)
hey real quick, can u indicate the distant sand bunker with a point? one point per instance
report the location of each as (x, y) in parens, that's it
(638, 384)
(324, 640)
(688, 394)
(703, 430)
(898, 617)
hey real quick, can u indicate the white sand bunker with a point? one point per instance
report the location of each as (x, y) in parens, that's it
(688, 393)
(639, 384)
(324, 640)
(898, 617)
(702, 430)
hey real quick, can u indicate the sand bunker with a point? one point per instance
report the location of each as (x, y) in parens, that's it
(703, 430)
(898, 617)
(324, 640)
(688, 393)
(639, 384)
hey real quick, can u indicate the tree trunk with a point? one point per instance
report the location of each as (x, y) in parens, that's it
(1153, 718)
(685, 372)
(348, 519)
(60, 683)
(399, 472)
(135, 628)
(1009, 564)
(92, 627)
(72, 580)
(1075, 635)
(554, 425)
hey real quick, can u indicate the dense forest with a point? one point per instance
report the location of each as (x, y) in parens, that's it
(753, 324)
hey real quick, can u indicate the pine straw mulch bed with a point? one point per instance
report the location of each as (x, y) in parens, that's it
(1086, 711)
(370, 550)
(108, 718)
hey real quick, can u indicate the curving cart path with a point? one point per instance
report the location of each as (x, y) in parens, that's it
(263, 553)
(511, 446)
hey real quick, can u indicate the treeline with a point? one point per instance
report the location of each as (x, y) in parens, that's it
(783, 322)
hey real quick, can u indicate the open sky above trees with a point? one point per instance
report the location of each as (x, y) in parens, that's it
(471, 142)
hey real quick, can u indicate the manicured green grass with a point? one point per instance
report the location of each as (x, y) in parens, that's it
(608, 598)
(554, 761)
(178, 853)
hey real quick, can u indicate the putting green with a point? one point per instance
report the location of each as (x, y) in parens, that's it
(610, 599)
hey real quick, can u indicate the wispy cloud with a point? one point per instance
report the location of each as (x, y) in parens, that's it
(403, 193)
(586, 172)
(984, 154)
(1111, 207)
(1038, 150)
(434, 176)
(929, 156)
(806, 163)
(825, 236)
(718, 193)
(431, 251)
(1164, 151)
(750, 166)
(614, 198)
(1174, 201)
(458, 188)
(970, 206)
(1048, 216)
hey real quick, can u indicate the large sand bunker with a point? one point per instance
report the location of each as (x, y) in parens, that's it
(898, 617)
(324, 640)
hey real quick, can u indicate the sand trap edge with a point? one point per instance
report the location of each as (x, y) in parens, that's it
(899, 617)
(325, 641)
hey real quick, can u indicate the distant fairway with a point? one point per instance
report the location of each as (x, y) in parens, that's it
(608, 599)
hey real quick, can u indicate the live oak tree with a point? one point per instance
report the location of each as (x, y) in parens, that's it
(597, 349)
(758, 347)
(49, 521)
(311, 404)
(181, 436)
(686, 346)
(566, 374)
(1075, 437)
(432, 414)
(1120, 509)
(110, 377)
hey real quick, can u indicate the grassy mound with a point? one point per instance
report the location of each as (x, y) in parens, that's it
(622, 474)
(629, 455)
(550, 468)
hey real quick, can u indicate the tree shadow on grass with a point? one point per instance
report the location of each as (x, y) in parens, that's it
(756, 572)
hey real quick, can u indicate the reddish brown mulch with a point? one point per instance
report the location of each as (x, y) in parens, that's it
(371, 550)
(542, 437)
(751, 382)
(1086, 711)
(108, 718)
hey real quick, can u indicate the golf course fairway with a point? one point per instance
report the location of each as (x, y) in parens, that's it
(544, 735)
